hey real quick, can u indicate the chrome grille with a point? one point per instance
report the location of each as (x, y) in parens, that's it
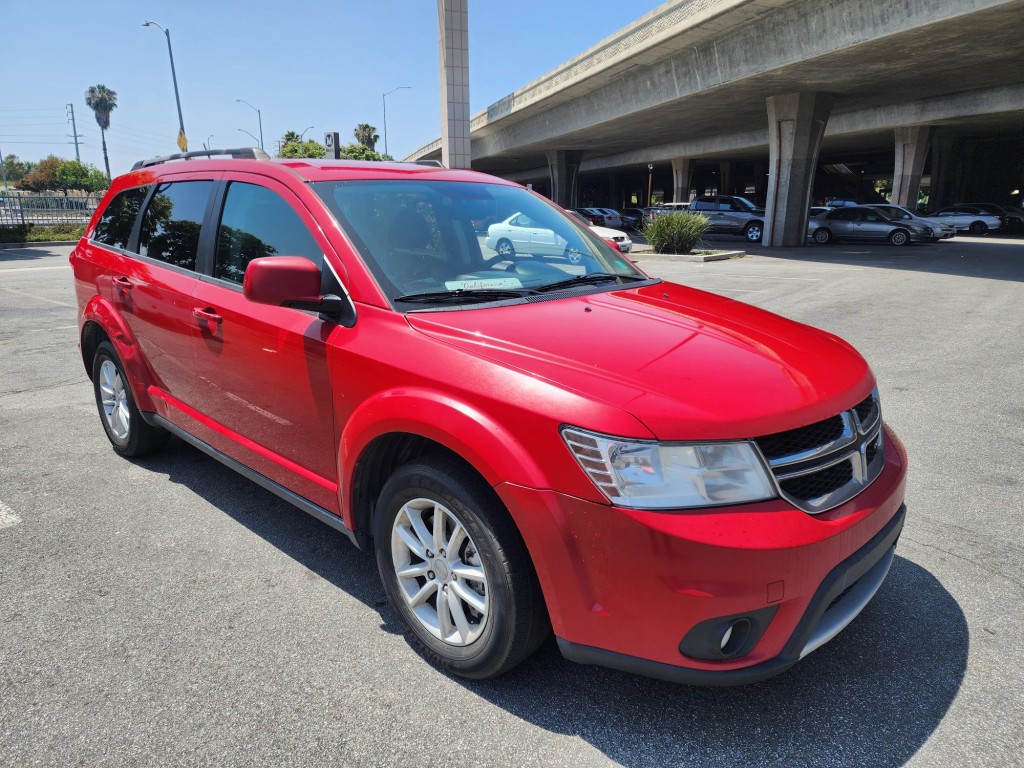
(820, 466)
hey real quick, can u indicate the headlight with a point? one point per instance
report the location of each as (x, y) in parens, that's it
(650, 475)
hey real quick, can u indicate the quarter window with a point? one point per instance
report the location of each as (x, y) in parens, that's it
(257, 222)
(117, 222)
(172, 222)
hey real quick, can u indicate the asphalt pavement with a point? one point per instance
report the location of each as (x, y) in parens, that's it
(167, 612)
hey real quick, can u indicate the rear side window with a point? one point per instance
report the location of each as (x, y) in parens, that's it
(172, 222)
(258, 222)
(115, 225)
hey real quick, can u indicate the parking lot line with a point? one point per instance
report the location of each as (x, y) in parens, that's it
(32, 269)
(17, 292)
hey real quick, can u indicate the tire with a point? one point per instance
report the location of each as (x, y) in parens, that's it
(497, 618)
(505, 248)
(128, 432)
(754, 232)
(822, 236)
(978, 228)
(899, 237)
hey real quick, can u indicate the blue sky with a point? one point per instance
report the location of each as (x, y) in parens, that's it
(324, 64)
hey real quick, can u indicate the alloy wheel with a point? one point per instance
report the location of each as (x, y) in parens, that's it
(114, 398)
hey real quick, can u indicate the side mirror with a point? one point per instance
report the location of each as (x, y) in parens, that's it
(289, 281)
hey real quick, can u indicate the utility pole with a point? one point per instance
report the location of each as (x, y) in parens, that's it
(74, 131)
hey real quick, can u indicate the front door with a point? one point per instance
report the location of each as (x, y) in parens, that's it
(262, 371)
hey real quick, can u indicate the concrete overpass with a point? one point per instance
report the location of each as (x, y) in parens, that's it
(764, 92)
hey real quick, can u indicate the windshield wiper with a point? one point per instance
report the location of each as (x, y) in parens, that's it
(592, 278)
(463, 294)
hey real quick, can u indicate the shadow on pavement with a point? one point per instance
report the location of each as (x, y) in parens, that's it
(871, 697)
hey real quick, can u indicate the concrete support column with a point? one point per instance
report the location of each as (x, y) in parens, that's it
(682, 167)
(796, 123)
(911, 151)
(760, 182)
(564, 167)
(453, 26)
(615, 191)
(947, 169)
(726, 177)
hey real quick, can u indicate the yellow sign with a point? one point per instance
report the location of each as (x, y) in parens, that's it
(182, 141)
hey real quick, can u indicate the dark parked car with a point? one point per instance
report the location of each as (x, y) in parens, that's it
(731, 215)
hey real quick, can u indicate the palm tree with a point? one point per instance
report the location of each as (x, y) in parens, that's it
(102, 101)
(289, 137)
(366, 135)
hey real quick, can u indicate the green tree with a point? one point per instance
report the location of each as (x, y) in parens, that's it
(102, 101)
(290, 137)
(43, 177)
(366, 135)
(72, 174)
(298, 149)
(360, 152)
(15, 168)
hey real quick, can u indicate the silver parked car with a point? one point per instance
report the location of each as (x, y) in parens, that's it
(862, 222)
(968, 218)
(940, 230)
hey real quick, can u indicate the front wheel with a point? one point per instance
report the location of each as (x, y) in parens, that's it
(456, 570)
(754, 232)
(978, 227)
(822, 236)
(899, 237)
(128, 433)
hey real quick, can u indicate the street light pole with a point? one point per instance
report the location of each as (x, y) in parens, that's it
(301, 135)
(249, 134)
(384, 99)
(650, 179)
(182, 140)
(259, 116)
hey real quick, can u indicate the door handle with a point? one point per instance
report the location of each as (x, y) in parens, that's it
(123, 283)
(207, 315)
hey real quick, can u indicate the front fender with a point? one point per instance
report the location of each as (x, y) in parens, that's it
(101, 312)
(475, 435)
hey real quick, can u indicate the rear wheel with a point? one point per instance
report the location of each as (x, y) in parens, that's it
(822, 236)
(128, 433)
(978, 227)
(456, 570)
(899, 237)
(505, 248)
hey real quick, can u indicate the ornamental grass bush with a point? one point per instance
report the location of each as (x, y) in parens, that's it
(674, 232)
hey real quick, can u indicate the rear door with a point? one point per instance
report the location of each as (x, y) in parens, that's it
(152, 288)
(263, 385)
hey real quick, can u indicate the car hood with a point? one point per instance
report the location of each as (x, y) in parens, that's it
(689, 365)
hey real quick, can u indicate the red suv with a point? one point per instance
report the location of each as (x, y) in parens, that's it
(678, 484)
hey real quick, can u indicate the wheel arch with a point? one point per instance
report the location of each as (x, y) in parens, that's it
(101, 322)
(394, 428)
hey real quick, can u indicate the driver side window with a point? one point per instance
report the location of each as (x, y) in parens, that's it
(257, 222)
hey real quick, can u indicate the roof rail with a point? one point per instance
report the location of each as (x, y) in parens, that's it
(431, 163)
(247, 153)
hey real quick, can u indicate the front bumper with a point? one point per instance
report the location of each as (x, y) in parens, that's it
(625, 587)
(839, 600)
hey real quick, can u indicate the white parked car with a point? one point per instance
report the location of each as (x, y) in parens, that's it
(617, 236)
(940, 229)
(967, 218)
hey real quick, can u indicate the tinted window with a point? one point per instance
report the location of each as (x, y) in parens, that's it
(257, 222)
(172, 221)
(116, 224)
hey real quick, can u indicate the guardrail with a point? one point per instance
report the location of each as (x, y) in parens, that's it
(20, 208)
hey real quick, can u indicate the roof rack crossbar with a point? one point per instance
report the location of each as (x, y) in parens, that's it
(246, 153)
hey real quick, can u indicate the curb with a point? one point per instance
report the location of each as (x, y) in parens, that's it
(697, 258)
(6, 246)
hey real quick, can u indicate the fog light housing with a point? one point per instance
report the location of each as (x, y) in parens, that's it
(727, 637)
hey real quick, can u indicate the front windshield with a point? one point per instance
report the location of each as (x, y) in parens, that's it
(743, 201)
(448, 242)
